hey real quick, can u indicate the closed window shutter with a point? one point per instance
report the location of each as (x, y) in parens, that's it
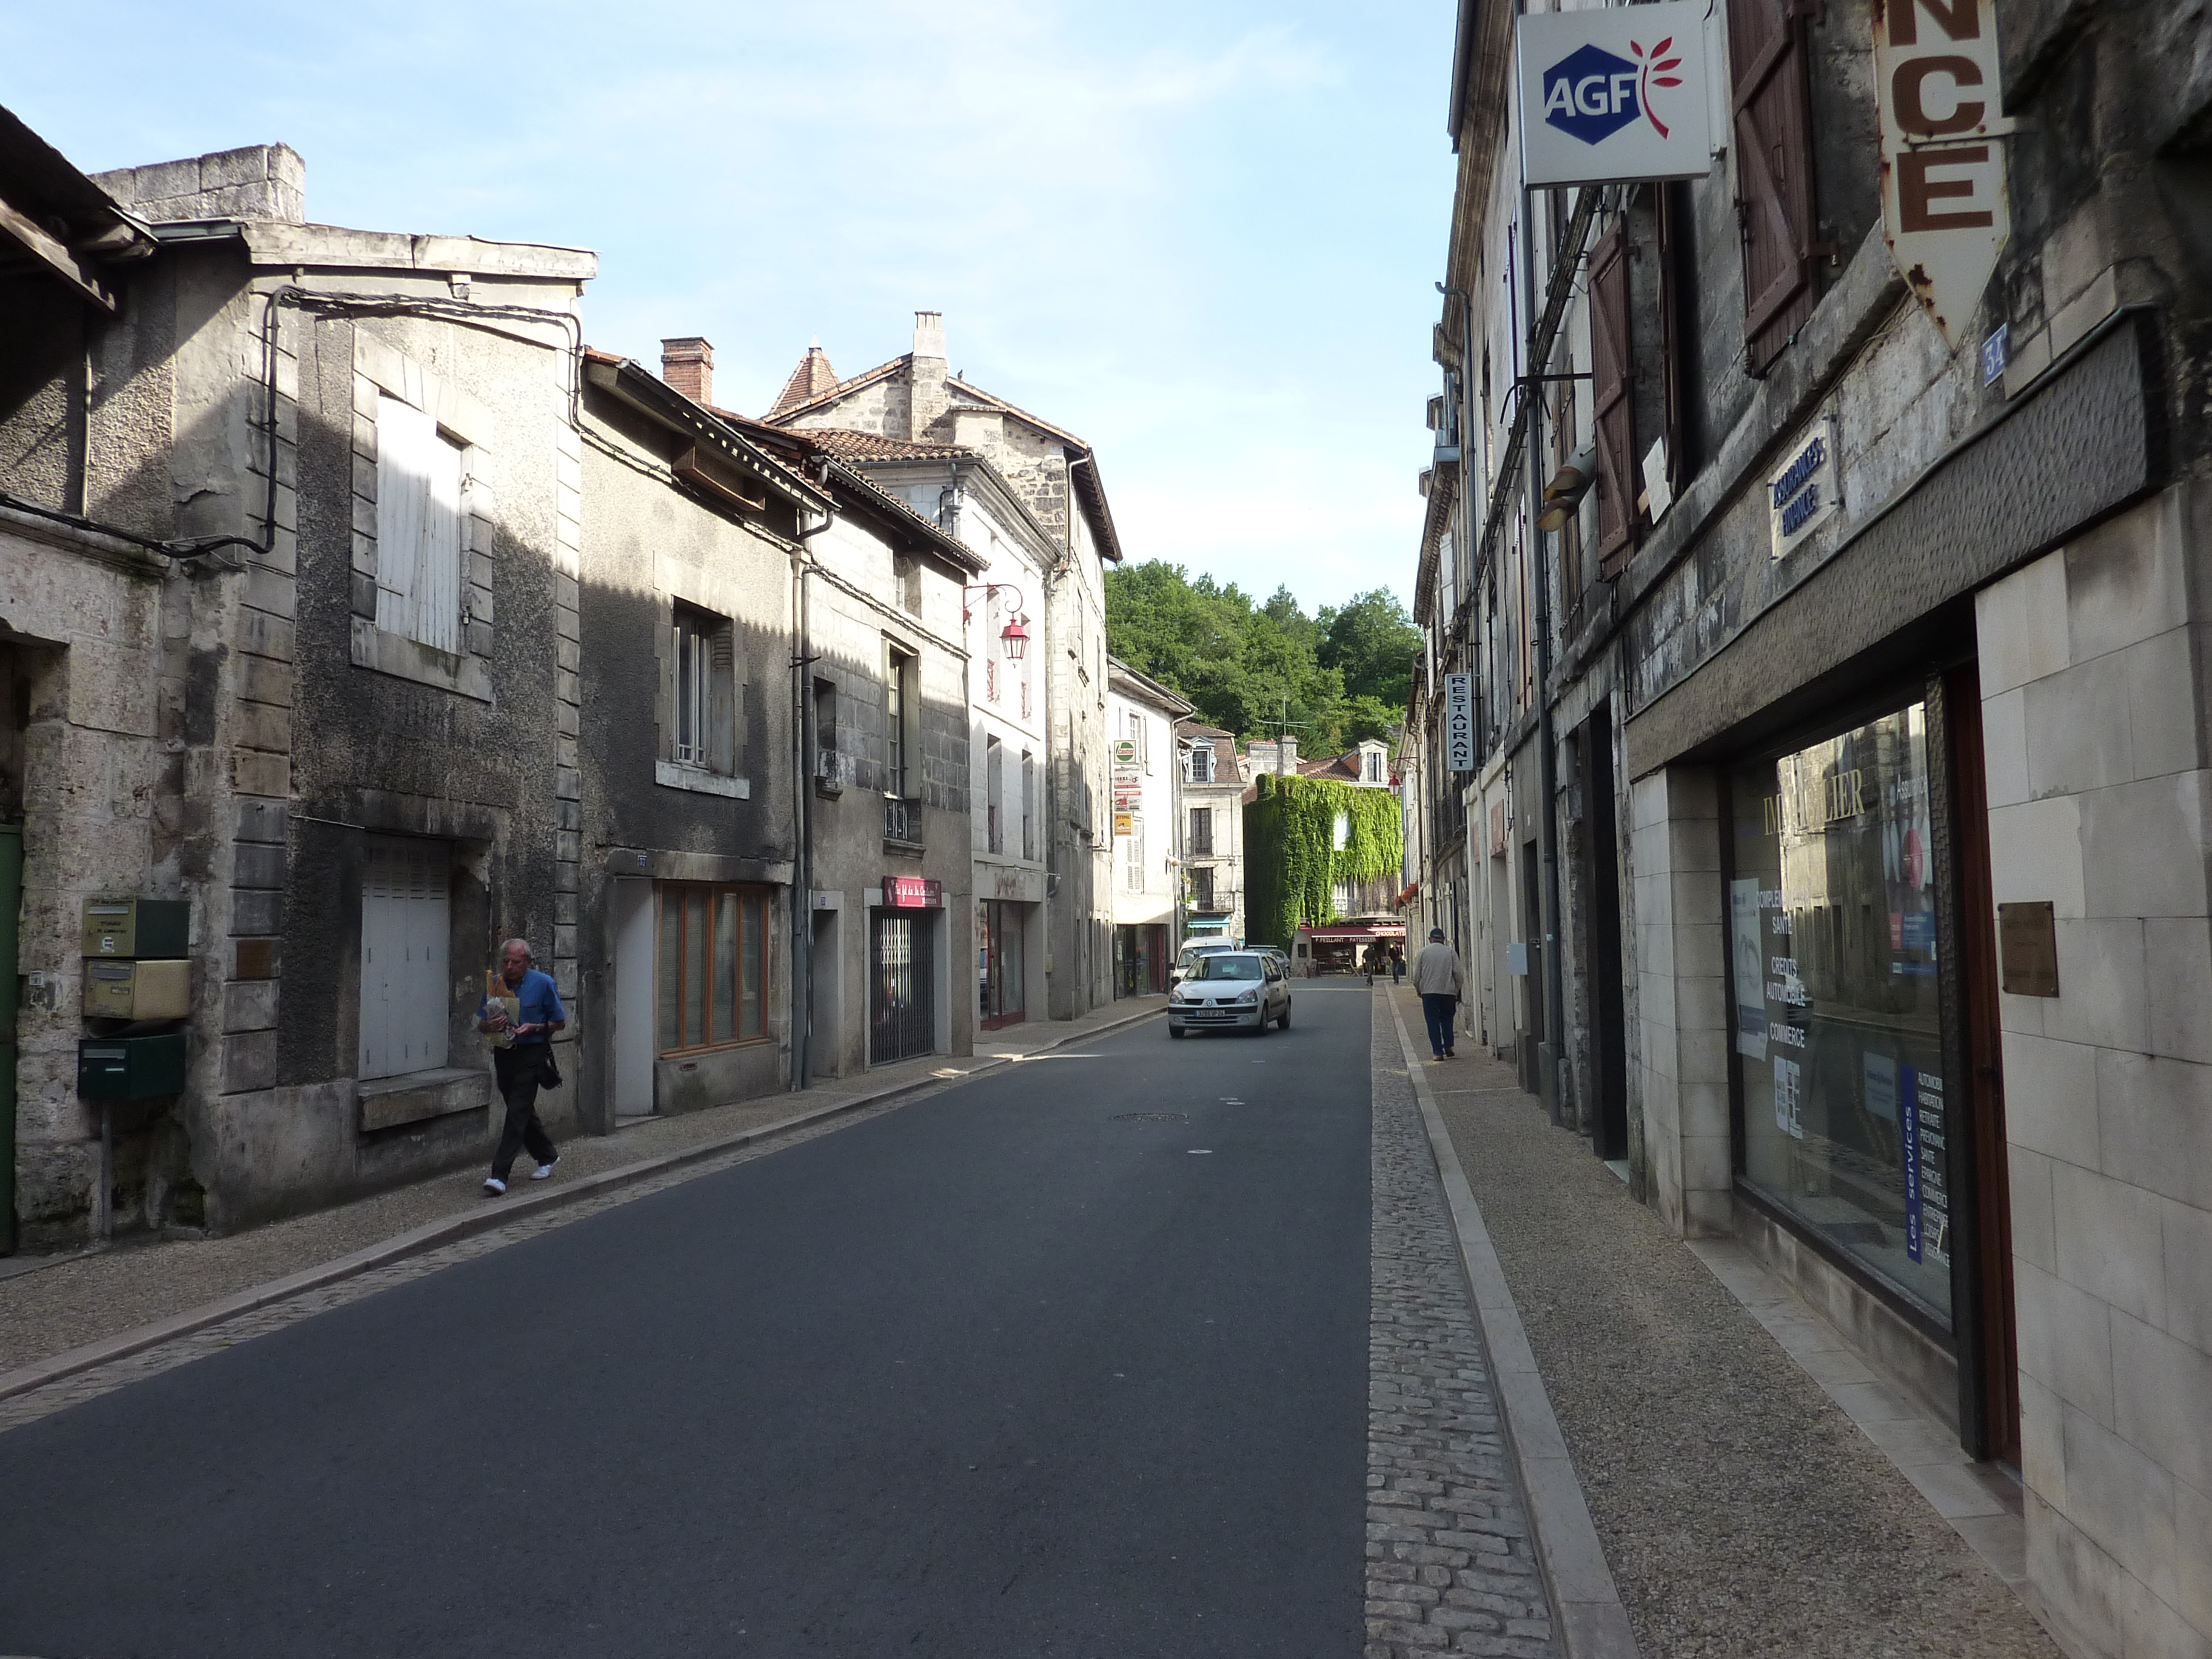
(722, 727)
(1612, 372)
(418, 527)
(1773, 173)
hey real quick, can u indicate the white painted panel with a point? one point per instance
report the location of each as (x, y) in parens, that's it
(406, 922)
(418, 527)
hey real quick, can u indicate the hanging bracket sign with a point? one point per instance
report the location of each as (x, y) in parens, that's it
(1945, 211)
(1459, 722)
(1614, 93)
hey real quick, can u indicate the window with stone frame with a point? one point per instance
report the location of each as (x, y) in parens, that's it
(703, 702)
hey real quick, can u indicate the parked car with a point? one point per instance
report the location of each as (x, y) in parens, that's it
(1191, 952)
(1230, 991)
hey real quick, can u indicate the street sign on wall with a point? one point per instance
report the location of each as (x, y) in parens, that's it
(1614, 92)
(1945, 210)
(1459, 722)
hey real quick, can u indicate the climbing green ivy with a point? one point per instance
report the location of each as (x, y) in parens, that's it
(1292, 861)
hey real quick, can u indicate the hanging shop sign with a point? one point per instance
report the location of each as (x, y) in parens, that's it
(1806, 490)
(1945, 209)
(1459, 722)
(1614, 92)
(1125, 824)
(913, 893)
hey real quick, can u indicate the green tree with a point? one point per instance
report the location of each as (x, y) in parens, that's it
(1373, 643)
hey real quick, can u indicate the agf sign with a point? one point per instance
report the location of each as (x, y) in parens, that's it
(1616, 92)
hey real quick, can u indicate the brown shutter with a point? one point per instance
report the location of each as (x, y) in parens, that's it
(1773, 174)
(1612, 373)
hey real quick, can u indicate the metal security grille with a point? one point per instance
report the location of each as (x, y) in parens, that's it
(902, 1002)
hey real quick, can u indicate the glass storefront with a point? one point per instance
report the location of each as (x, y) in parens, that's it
(999, 962)
(1835, 1015)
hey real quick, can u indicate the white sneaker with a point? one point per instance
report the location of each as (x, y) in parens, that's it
(543, 1170)
(494, 1187)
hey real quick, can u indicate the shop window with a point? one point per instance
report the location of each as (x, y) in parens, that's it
(712, 986)
(1835, 1011)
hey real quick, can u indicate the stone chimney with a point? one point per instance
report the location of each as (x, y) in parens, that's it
(1290, 754)
(1260, 755)
(688, 365)
(926, 394)
(262, 181)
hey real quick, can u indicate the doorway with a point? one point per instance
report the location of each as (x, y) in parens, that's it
(1608, 1124)
(902, 992)
(630, 929)
(1001, 997)
(825, 1047)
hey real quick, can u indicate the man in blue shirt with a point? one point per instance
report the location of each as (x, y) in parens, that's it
(520, 1067)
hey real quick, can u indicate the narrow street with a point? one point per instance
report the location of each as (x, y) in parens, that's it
(1069, 1359)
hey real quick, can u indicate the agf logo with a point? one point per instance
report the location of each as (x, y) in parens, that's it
(1592, 93)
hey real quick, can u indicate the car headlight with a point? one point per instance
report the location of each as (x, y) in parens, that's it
(1247, 999)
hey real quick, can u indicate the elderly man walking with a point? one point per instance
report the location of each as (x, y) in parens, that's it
(521, 1066)
(1437, 980)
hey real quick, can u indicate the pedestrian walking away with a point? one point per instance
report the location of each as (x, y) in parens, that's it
(523, 1061)
(1438, 982)
(1397, 963)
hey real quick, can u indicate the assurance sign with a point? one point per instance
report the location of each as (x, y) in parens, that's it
(1616, 93)
(1945, 210)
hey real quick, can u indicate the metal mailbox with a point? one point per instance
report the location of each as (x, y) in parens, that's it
(159, 989)
(137, 928)
(131, 1068)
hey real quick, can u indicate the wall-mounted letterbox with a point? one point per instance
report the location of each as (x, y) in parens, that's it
(137, 928)
(131, 1068)
(159, 989)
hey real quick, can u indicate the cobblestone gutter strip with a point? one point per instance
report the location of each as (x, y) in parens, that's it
(423, 1250)
(1451, 1567)
(1593, 1623)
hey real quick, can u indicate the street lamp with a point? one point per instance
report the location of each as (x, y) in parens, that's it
(1013, 638)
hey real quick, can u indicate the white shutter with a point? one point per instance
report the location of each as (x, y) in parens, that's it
(418, 527)
(405, 923)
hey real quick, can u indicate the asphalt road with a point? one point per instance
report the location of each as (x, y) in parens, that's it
(1003, 1372)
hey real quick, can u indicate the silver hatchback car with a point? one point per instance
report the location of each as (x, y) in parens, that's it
(1230, 991)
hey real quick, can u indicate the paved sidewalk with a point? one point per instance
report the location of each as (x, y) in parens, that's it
(1742, 1513)
(1450, 1557)
(86, 1299)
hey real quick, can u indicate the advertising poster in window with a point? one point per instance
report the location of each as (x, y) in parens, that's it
(1834, 954)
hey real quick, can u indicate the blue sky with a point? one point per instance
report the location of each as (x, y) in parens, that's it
(1203, 236)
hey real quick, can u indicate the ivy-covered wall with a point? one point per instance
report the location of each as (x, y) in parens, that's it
(1292, 861)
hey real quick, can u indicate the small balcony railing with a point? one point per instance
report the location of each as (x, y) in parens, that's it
(901, 819)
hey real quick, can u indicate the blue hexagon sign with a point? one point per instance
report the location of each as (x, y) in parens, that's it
(1591, 94)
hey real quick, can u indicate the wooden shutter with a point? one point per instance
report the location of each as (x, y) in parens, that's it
(406, 921)
(1612, 375)
(1773, 174)
(418, 527)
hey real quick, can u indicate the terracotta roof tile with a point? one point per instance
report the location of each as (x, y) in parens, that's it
(812, 378)
(848, 446)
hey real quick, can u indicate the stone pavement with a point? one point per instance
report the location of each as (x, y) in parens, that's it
(1742, 1511)
(1450, 1566)
(73, 1301)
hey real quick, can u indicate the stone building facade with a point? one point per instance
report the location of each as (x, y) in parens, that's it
(1148, 827)
(1213, 785)
(1833, 861)
(1025, 496)
(348, 684)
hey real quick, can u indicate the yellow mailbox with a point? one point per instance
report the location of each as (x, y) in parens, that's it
(138, 990)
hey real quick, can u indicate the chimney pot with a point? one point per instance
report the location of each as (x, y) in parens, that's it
(688, 365)
(929, 334)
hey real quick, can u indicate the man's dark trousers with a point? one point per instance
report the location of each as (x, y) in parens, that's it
(518, 1070)
(1440, 1011)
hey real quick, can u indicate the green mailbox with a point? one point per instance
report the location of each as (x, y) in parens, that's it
(131, 1068)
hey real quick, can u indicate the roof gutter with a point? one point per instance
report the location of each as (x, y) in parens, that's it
(630, 384)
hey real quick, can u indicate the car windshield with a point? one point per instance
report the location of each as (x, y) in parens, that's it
(1226, 968)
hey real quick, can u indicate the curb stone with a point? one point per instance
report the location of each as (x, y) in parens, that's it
(1590, 1617)
(450, 1229)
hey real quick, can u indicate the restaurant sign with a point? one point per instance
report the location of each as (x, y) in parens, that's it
(913, 893)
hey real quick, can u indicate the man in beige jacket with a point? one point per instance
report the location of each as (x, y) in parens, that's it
(1437, 980)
